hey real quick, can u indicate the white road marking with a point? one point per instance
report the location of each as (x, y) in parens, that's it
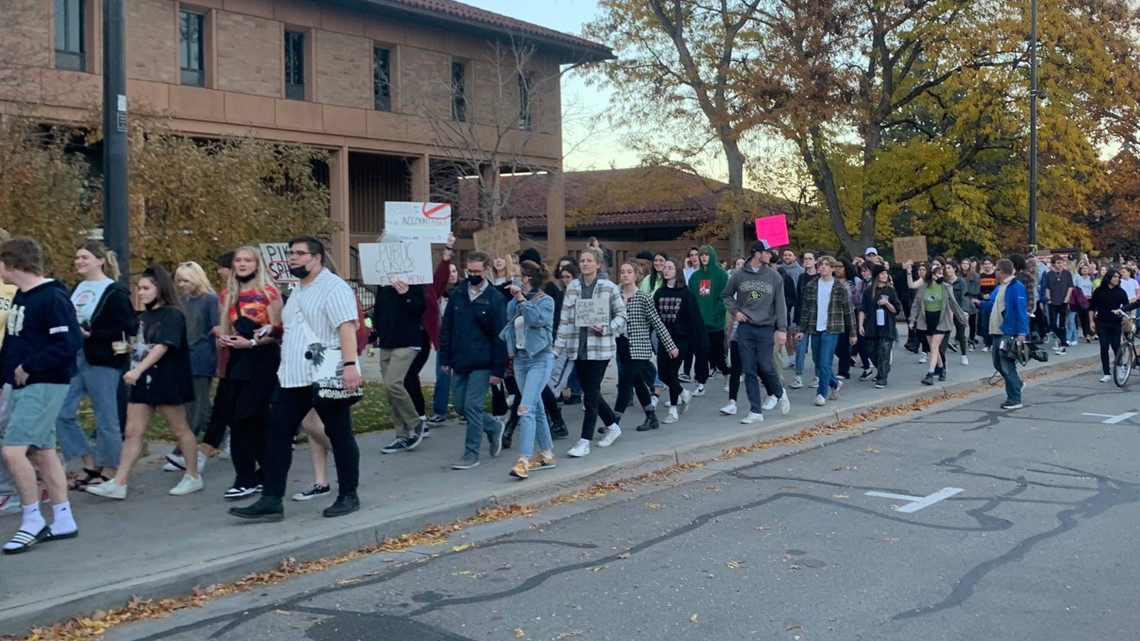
(1111, 419)
(916, 503)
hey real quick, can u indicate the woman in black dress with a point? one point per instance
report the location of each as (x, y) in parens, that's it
(159, 378)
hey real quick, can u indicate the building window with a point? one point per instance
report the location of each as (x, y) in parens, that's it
(459, 91)
(524, 102)
(70, 25)
(294, 65)
(191, 47)
(382, 78)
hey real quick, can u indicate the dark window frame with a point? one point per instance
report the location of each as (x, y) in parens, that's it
(294, 57)
(69, 55)
(192, 71)
(459, 91)
(382, 78)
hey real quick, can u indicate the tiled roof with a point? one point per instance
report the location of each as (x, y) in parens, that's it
(576, 49)
(615, 198)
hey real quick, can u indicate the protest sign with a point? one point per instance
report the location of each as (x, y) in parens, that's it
(276, 257)
(592, 311)
(910, 248)
(422, 221)
(387, 263)
(773, 229)
(500, 240)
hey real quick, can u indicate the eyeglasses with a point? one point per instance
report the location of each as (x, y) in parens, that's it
(299, 253)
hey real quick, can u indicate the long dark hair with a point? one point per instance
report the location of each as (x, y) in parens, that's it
(679, 277)
(167, 295)
(654, 275)
(1106, 280)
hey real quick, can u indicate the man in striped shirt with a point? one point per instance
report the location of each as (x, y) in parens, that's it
(320, 315)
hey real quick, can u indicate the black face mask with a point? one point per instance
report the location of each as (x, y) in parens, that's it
(244, 279)
(474, 281)
(299, 272)
(152, 304)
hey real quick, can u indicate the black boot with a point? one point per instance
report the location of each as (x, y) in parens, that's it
(558, 428)
(265, 509)
(650, 422)
(509, 429)
(345, 504)
(928, 379)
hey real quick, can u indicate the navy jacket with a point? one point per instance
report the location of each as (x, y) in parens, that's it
(43, 335)
(470, 339)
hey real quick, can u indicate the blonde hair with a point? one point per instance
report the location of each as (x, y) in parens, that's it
(100, 251)
(193, 273)
(511, 268)
(260, 283)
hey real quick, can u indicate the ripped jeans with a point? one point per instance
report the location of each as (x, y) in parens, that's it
(532, 374)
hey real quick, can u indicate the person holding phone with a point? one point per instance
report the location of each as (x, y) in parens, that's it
(881, 306)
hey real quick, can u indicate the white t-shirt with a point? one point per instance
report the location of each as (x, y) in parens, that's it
(1130, 287)
(86, 297)
(822, 303)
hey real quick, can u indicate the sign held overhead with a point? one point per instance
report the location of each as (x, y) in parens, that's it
(499, 240)
(419, 221)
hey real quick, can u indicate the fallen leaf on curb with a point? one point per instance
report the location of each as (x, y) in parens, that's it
(892, 539)
(871, 450)
(732, 565)
(596, 568)
(624, 555)
(794, 627)
(693, 619)
(654, 506)
(282, 613)
(519, 633)
(840, 496)
(460, 548)
(567, 635)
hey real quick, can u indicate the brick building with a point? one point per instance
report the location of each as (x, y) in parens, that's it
(375, 82)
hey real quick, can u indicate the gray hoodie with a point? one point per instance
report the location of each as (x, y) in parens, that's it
(759, 293)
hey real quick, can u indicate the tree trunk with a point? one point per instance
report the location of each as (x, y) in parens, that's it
(735, 161)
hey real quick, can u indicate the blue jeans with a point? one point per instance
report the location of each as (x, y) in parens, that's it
(573, 383)
(823, 352)
(801, 354)
(470, 390)
(531, 375)
(756, 350)
(442, 393)
(101, 384)
(1008, 370)
(1071, 328)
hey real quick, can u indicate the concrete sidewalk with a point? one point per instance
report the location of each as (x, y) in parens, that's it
(155, 545)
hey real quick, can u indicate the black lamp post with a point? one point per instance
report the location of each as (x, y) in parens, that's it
(116, 234)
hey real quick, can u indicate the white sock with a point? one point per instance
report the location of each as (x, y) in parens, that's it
(63, 521)
(33, 520)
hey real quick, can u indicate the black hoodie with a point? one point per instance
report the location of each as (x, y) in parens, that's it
(113, 319)
(43, 335)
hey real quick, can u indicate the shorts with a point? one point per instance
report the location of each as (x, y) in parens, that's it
(33, 410)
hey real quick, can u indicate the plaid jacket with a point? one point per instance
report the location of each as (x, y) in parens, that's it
(598, 348)
(642, 320)
(840, 312)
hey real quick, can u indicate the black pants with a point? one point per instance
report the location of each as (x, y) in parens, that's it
(668, 369)
(1109, 336)
(717, 360)
(961, 335)
(289, 406)
(633, 377)
(247, 448)
(1083, 320)
(590, 375)
(1058, 317)
(843, 351)
(412, 378)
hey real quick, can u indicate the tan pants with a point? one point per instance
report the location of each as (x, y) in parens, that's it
(394, 366)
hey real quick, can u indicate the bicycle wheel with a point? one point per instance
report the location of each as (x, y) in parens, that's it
(1122, 369)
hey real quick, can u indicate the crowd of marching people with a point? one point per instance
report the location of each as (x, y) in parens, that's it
(239, 374)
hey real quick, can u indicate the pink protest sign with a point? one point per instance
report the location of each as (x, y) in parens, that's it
(773, 229)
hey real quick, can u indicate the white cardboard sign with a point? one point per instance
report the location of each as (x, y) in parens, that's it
(592, 311)
(421, 221)
(386, 263)
(276, 257)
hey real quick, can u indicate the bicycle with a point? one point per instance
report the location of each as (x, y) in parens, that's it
(1128, 357)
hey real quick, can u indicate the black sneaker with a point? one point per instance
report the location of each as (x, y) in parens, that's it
(684, 378)
(417, 435)
(650, 423)
(1011, 406)
(868, 374)
(928, 379)
(573, 399)
(345, 504)
(559, 430)
(942, 376)
(265, 509)
(438, 419)
(880, 384)
(239, 492)
(313, 492)
(398, 445)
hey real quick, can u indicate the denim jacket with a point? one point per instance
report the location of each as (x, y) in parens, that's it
(537, 314)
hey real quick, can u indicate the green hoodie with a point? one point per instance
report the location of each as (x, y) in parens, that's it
(708, 285)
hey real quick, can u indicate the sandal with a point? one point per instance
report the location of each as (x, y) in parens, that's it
(24, 540)
(89, 477)
(52, 536)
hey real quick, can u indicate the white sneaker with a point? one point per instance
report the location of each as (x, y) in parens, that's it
(672, 416)
(177, 462)
(798, 383)
(770, 403)
(730, 409)
(834, 395)
(654, 402)
(923, 358)
(965, 360)
(580, 449)
(725, 390)
(108, 490)
(752, 417)
(820, 401)
(700, 391)
(686, 396)
(171, 467)
(1106, 378)
(986, 348)
(815, 382)
(785, 404)
(188, 485)
(612, 435)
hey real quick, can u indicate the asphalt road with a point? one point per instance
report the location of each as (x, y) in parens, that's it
(994, 525)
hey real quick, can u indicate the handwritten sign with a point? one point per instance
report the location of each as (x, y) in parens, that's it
(592, 311)
(276, 257)
(910, 248)
(420, 221)
(773, 229)
(500, 240)
(386, 263)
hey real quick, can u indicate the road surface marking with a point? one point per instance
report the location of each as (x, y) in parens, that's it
(916, 503)
(1110, 419)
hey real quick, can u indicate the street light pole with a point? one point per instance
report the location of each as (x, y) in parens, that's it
(116, 233)
(1034, 95)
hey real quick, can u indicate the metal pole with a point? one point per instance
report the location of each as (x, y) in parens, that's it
(116, 233)
(1033, 97)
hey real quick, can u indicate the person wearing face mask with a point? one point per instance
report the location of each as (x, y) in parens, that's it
(472, 352)
(201, 306)
(934, 312)
(881, 305)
